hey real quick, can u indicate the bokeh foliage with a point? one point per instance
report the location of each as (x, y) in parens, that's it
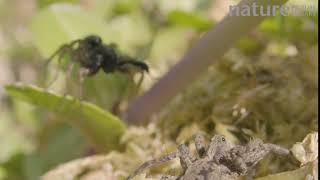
(264, 87)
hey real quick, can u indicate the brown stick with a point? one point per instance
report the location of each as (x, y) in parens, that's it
(209, 48)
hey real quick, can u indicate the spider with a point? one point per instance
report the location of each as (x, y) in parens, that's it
(218, 160)
(92, 55)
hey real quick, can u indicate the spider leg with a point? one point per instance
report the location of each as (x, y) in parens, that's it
(168, 177)
(56, 75)
(153, 162)
(140, 81)
(83, 72)
(277, 149)
(185, 157)
(213, 148)
(133, 88)
(68, 77)
(61, 103)
(60, 53)
(200, 145)
(141, 65)
(45, 65)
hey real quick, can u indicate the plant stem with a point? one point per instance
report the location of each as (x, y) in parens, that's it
(210, 47)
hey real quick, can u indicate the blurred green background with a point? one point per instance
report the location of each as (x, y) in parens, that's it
(271, 73)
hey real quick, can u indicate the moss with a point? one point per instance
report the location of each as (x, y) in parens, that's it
(266, 96)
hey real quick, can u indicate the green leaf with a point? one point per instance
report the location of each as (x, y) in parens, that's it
(190, 20)
(44, 3)
(129, 32)
(170, 43)
(59, 144)
(62, 23)
(12, 168)
(125, 6)
(248, 45)
(101, 127)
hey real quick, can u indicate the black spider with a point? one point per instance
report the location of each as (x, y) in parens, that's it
(92, 55)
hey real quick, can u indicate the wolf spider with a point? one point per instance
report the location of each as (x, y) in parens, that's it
(219, 160)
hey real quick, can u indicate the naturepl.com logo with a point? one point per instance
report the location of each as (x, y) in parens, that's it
(272, 10)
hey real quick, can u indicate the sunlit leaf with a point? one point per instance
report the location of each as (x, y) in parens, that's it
(125, 6)
(294, 28)
(129, 32)
(62, 23)
(44, 3)
(12, 168)
(248, 45)
(190, 20)
(170, 43)
(102, 128)
(104, 8)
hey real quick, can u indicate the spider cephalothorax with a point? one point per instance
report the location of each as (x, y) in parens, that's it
(92, 55)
